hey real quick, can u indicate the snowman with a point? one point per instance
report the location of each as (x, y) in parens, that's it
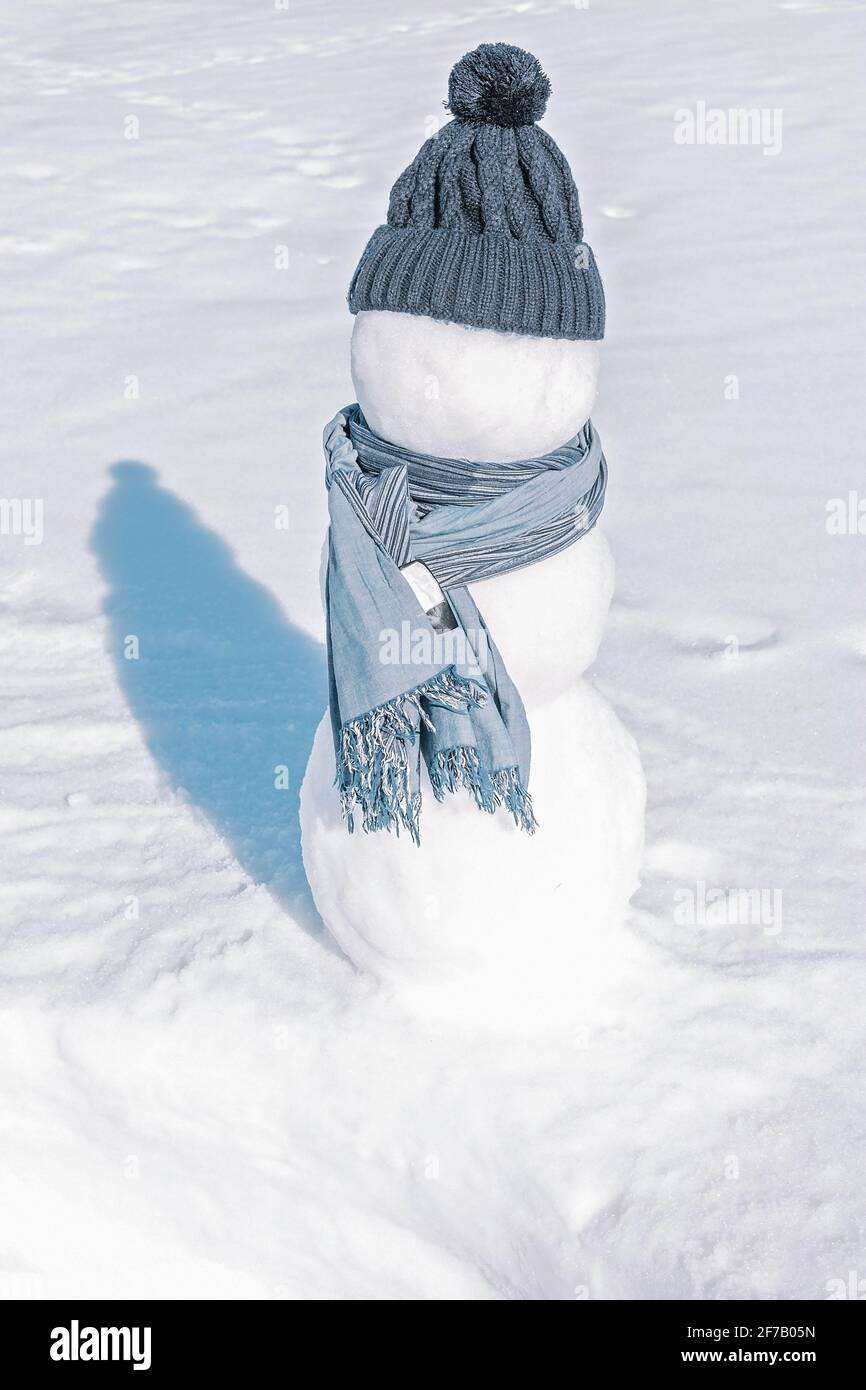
(472, 811)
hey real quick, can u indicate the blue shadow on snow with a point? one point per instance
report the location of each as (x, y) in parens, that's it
(224, 687)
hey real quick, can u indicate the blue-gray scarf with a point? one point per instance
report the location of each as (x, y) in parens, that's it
(407, 680)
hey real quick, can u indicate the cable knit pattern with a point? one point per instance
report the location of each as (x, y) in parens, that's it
(484, 227)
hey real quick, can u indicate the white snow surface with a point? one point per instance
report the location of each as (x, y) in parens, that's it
(200, 1096)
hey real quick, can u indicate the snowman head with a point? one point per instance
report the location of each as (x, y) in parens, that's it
(479, 305)
(472, 393)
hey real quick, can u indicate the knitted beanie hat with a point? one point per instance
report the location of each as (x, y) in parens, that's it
(484, 227)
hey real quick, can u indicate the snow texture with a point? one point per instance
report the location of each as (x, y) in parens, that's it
(200, 1095)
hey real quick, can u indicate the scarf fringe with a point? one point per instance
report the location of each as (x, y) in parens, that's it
(462, 767)
(373, 762)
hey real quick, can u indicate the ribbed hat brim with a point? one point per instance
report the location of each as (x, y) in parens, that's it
(485, 281)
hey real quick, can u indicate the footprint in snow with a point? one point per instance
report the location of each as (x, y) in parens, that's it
(722, 637)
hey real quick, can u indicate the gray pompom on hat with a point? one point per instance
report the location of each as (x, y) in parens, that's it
(484, 227)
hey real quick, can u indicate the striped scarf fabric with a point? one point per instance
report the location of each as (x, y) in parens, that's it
(402, 687)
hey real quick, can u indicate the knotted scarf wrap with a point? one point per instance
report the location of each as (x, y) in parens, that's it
(464, 521)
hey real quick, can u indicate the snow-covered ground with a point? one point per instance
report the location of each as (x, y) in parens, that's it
(198, 1095)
